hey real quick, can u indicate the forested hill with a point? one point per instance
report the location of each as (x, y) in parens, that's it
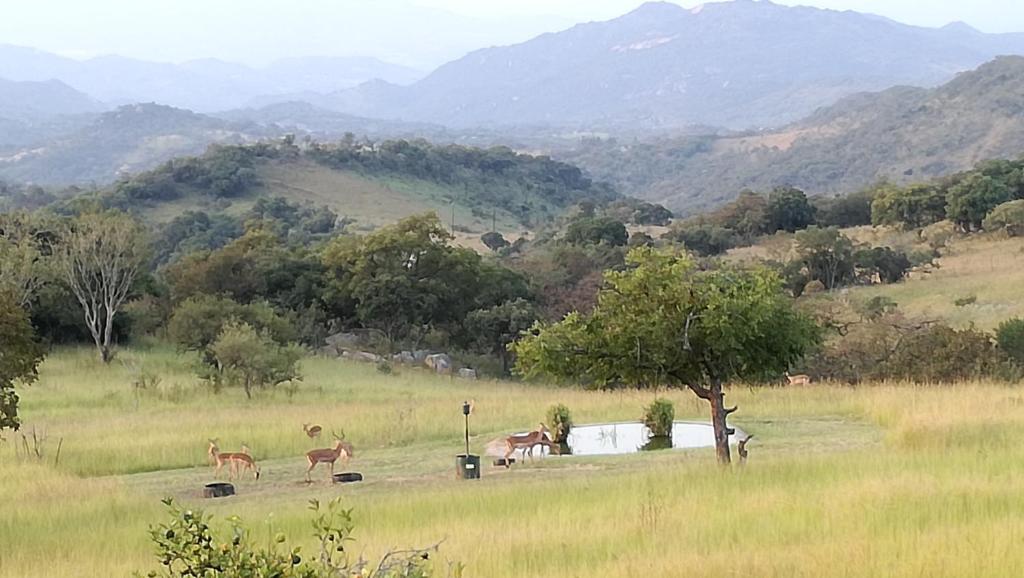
(903, 134)
(370, 183)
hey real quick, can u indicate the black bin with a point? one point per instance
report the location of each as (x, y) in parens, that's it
(467, 467)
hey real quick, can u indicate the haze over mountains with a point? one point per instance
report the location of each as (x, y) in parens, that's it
(777, 90)
(903, 134)
(200, 85)
(738, 64)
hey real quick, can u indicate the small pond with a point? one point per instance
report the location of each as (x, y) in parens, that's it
(631, 437)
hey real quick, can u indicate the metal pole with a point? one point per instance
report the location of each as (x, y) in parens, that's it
(467, 435)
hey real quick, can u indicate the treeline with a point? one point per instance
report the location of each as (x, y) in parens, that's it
(482, 179)
(989, 197)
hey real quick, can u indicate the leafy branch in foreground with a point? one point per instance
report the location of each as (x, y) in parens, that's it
(187, 545)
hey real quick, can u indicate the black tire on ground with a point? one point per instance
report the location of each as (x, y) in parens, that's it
(218, 490)
(348, 477)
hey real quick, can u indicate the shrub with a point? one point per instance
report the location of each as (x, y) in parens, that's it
(1007, 217)
(941, 354)
(560, 422)
(659, 417)
(188, 545)
(965, 300)
(384, 367)
(251, 359)
(1010, 337)
(494, 240)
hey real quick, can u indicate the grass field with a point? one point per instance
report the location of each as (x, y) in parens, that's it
(989, 268)
(874, 481)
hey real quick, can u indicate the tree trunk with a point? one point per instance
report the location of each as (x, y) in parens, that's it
(719, 413)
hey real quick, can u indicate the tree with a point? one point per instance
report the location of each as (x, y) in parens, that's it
(494, 328)
(1007, 217)
(19, 357)
(1010, 337)
(663, 322)
(494, 240)
(25, 254)
(407, 279)
(827, 254)
(252, 359)
(889, 265)
(969, 201)
(594, 230)
(99, 256)
(912, 207)
(195, 323)
(789, 210)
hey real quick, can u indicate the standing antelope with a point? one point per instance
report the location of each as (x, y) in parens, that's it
(234, 460)
(528, 441)
(312, 432)
(798, 379)
(330, 455)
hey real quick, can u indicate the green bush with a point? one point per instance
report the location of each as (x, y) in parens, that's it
(1010, 337)
(188, 545)
(251, 359)
(965, 300)
(1007, 217)
(659, 417)
(560, 422)
(384, 367)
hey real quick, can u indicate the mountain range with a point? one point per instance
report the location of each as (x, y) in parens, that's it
(740, 64)
(903, 134)
(201, 85)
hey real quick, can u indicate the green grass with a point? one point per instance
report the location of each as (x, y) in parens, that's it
(873, 481)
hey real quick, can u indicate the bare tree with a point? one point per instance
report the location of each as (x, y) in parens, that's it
(99, 256)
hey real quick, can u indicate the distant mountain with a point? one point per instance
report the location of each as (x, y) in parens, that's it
(903, 134)
(303, 118)
(129, 139)
(741, 64)
(202, 85)
(35, 101)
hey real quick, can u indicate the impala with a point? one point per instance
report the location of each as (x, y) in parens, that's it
(330, 455)
(798, 379)
(526, 442)
(312, 432)
(233, 460)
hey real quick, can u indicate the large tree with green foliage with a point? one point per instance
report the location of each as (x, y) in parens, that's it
(970, 200)
(407, 279)
(664, 322)
(789, 210)
(20, 355)
(827, 254)
(912, 207)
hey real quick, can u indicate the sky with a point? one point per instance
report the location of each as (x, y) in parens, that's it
(418, 33)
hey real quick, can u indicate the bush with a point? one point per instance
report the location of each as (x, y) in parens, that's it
(941, 354)
(659, 417)
(560, 422)
(251, 359)
(384, 367)
(965, 300)
(188, 545)
(1007, 217)
(1010, 337)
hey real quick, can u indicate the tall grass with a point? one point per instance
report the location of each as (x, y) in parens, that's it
(875, 481)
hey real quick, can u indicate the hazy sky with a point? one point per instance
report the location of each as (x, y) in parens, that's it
(421, 33)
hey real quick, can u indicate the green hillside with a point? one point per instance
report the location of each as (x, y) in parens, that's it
(370, 184)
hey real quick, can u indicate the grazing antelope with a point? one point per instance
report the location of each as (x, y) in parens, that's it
(234, 460)
(798, 379)
(330, 455)
(312, 432)
(547, 442)
(743, 448)
(528, 441)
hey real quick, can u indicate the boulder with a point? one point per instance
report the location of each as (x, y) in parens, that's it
(342, 340)
(420, 355)
(467, 373)
(366, 357)
(405, 357)
(439, 362)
